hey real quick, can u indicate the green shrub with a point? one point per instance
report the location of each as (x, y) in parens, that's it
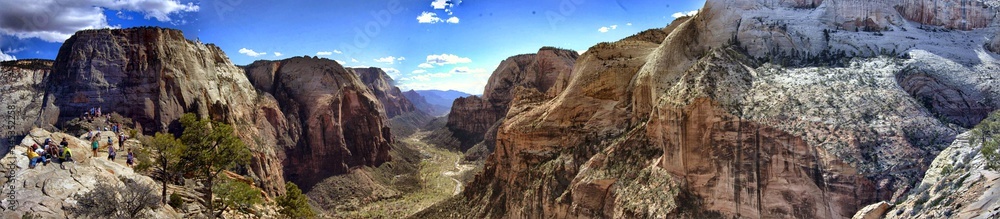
(986, 134)
(175, 200)
(294, 204)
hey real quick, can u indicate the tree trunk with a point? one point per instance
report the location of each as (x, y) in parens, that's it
(163, 197)
(209, 201)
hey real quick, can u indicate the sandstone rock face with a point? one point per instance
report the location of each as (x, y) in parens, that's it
(873, 211)
(952, 14)
(385, 90)
(312, 119)
(47, 190)
(155, 75)
(548, 71)
(21, 97)
(704, 124)
(329, 120)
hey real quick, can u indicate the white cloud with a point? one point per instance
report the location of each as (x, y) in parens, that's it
(684, 14)
(453, 20)
(628, 24)
(447, 59)
(56, 21)
(389, 59)
(425, 65)
(467, 70)
(338, 51)
(440, 4)
(608, 28)
(251, 53)
(6, 57)
(419, 71)
(354, 60)
(324, 53)
(277, 54)
(340, 62)
(428, 18)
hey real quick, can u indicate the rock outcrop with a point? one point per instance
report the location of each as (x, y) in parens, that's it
(958, 184)
(473, 118)
(21, 97)
(718, 120)
(308, 120)
(385, 90)
(155, 75)
(329, 120)
(873, 211)
(47, 190)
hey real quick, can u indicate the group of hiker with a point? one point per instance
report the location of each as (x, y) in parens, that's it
(49, 152)
(95, 144)
(93, 113)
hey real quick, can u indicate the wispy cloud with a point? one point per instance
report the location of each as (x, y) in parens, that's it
(251, 53)
(6, 57)
(447, 59)
(684, 14)
(428, 18)
(324, 53)
(608, 28)
(278, 54)
(448, 6)
(389, 59)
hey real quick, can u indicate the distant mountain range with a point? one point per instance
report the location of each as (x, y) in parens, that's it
(435, 102)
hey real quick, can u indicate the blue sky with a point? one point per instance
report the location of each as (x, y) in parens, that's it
(456, 48)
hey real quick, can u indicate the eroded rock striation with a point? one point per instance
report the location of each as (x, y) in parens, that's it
(473, 118)
(22, 96)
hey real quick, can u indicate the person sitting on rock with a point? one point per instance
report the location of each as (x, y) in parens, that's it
(110, 142)
(41, 152)
(130, 160)
(111, 153)
(34, 158)
(51, 150)
(66, 155)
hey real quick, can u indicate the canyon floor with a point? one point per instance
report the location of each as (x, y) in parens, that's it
(442, 174)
